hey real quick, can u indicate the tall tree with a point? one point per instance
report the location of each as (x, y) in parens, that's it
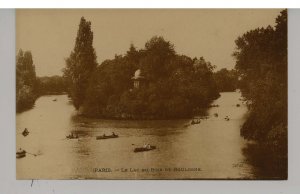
(26, 81)
(80, 64)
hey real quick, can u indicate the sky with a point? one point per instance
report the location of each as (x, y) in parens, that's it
(50, 33)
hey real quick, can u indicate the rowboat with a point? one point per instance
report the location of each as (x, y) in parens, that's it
(195, 121)
(20, 153)
(71, 136)
(144, 149)
(107, 136)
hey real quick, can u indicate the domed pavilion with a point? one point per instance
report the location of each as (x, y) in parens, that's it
(138, 79)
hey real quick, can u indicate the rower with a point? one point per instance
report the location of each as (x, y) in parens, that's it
(25, 132)
(145, 145)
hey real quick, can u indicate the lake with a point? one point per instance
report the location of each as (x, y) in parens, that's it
(211, 149)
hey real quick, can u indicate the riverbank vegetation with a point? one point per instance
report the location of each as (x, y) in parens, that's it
(29, 87)
(172, 85)
(261, 56)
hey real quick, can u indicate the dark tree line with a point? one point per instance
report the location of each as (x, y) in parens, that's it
(262, 65)
(226, 80)
(176, 86)
(50, 85)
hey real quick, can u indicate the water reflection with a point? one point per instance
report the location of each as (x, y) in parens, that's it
(214, 145)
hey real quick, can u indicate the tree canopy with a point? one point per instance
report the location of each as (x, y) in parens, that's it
(176, 85)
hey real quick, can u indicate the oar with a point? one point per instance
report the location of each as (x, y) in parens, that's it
(39, 153)
(31, 153)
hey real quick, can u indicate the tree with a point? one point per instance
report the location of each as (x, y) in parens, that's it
(26, 83)
(81, 64)
(157, 54)
(133, 55)
(261, 56)
(262, 65)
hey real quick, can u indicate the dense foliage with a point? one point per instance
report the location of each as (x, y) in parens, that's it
(226, 80)
(51, 85)
(176, 86)
(262, 64)
(26, 83)
(81, 64)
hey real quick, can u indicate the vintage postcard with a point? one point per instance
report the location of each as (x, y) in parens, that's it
(151, 94)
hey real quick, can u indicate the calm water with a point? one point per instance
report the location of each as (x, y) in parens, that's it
(214, 146)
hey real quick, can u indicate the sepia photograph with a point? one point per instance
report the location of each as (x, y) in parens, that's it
(160, 94)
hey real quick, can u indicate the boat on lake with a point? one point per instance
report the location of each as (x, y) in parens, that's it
(144, 149)
(21, 153)
(107, 136)
(72, 136)
(226, 118)
(195, 121)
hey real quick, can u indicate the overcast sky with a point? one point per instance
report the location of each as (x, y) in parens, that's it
(50, 34)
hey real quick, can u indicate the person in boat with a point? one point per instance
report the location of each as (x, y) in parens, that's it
(145, 145)
(113, 133)
(148, 146)
(71, 135)
(25, 132)
(104, 135)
